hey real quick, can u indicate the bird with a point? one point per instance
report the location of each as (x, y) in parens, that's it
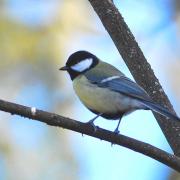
(106, 91)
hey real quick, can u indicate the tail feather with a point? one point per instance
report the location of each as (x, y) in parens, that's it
(161, 110)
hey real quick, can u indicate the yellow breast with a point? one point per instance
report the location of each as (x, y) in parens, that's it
(96, 98)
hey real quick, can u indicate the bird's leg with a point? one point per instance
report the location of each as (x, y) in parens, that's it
(91, 122)
(116, 131)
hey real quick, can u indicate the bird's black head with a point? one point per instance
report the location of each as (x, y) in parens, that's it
(79, 62)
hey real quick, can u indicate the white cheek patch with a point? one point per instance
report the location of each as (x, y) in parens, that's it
(82, 65)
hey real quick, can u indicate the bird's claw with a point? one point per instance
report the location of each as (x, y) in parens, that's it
(92, 124)
(116, 131)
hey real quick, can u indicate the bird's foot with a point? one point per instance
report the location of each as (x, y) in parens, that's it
(91, 122)
(116, 131)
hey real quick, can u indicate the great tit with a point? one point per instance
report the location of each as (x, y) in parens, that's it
(106, 91)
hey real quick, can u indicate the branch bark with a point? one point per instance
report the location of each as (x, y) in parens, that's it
(138, 66)
(84, 128)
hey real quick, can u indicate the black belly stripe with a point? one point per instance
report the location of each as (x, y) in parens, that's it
(110, 116)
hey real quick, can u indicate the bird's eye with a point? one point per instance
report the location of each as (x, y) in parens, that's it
(82, 65)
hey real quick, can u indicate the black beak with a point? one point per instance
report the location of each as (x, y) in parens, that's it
(64, 68)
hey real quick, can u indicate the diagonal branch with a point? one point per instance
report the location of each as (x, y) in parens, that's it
(138, 65)
(83, 128)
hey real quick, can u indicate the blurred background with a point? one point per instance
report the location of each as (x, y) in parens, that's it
(36, 38)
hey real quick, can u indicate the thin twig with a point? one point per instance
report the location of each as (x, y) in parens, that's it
(83, 128)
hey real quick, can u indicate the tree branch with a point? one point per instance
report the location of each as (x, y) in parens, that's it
(138, 66)
(83, 128)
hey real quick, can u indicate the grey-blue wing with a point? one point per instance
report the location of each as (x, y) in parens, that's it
(122, 85)
(129, 88)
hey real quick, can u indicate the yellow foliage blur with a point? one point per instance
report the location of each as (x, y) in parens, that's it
(30, 55)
